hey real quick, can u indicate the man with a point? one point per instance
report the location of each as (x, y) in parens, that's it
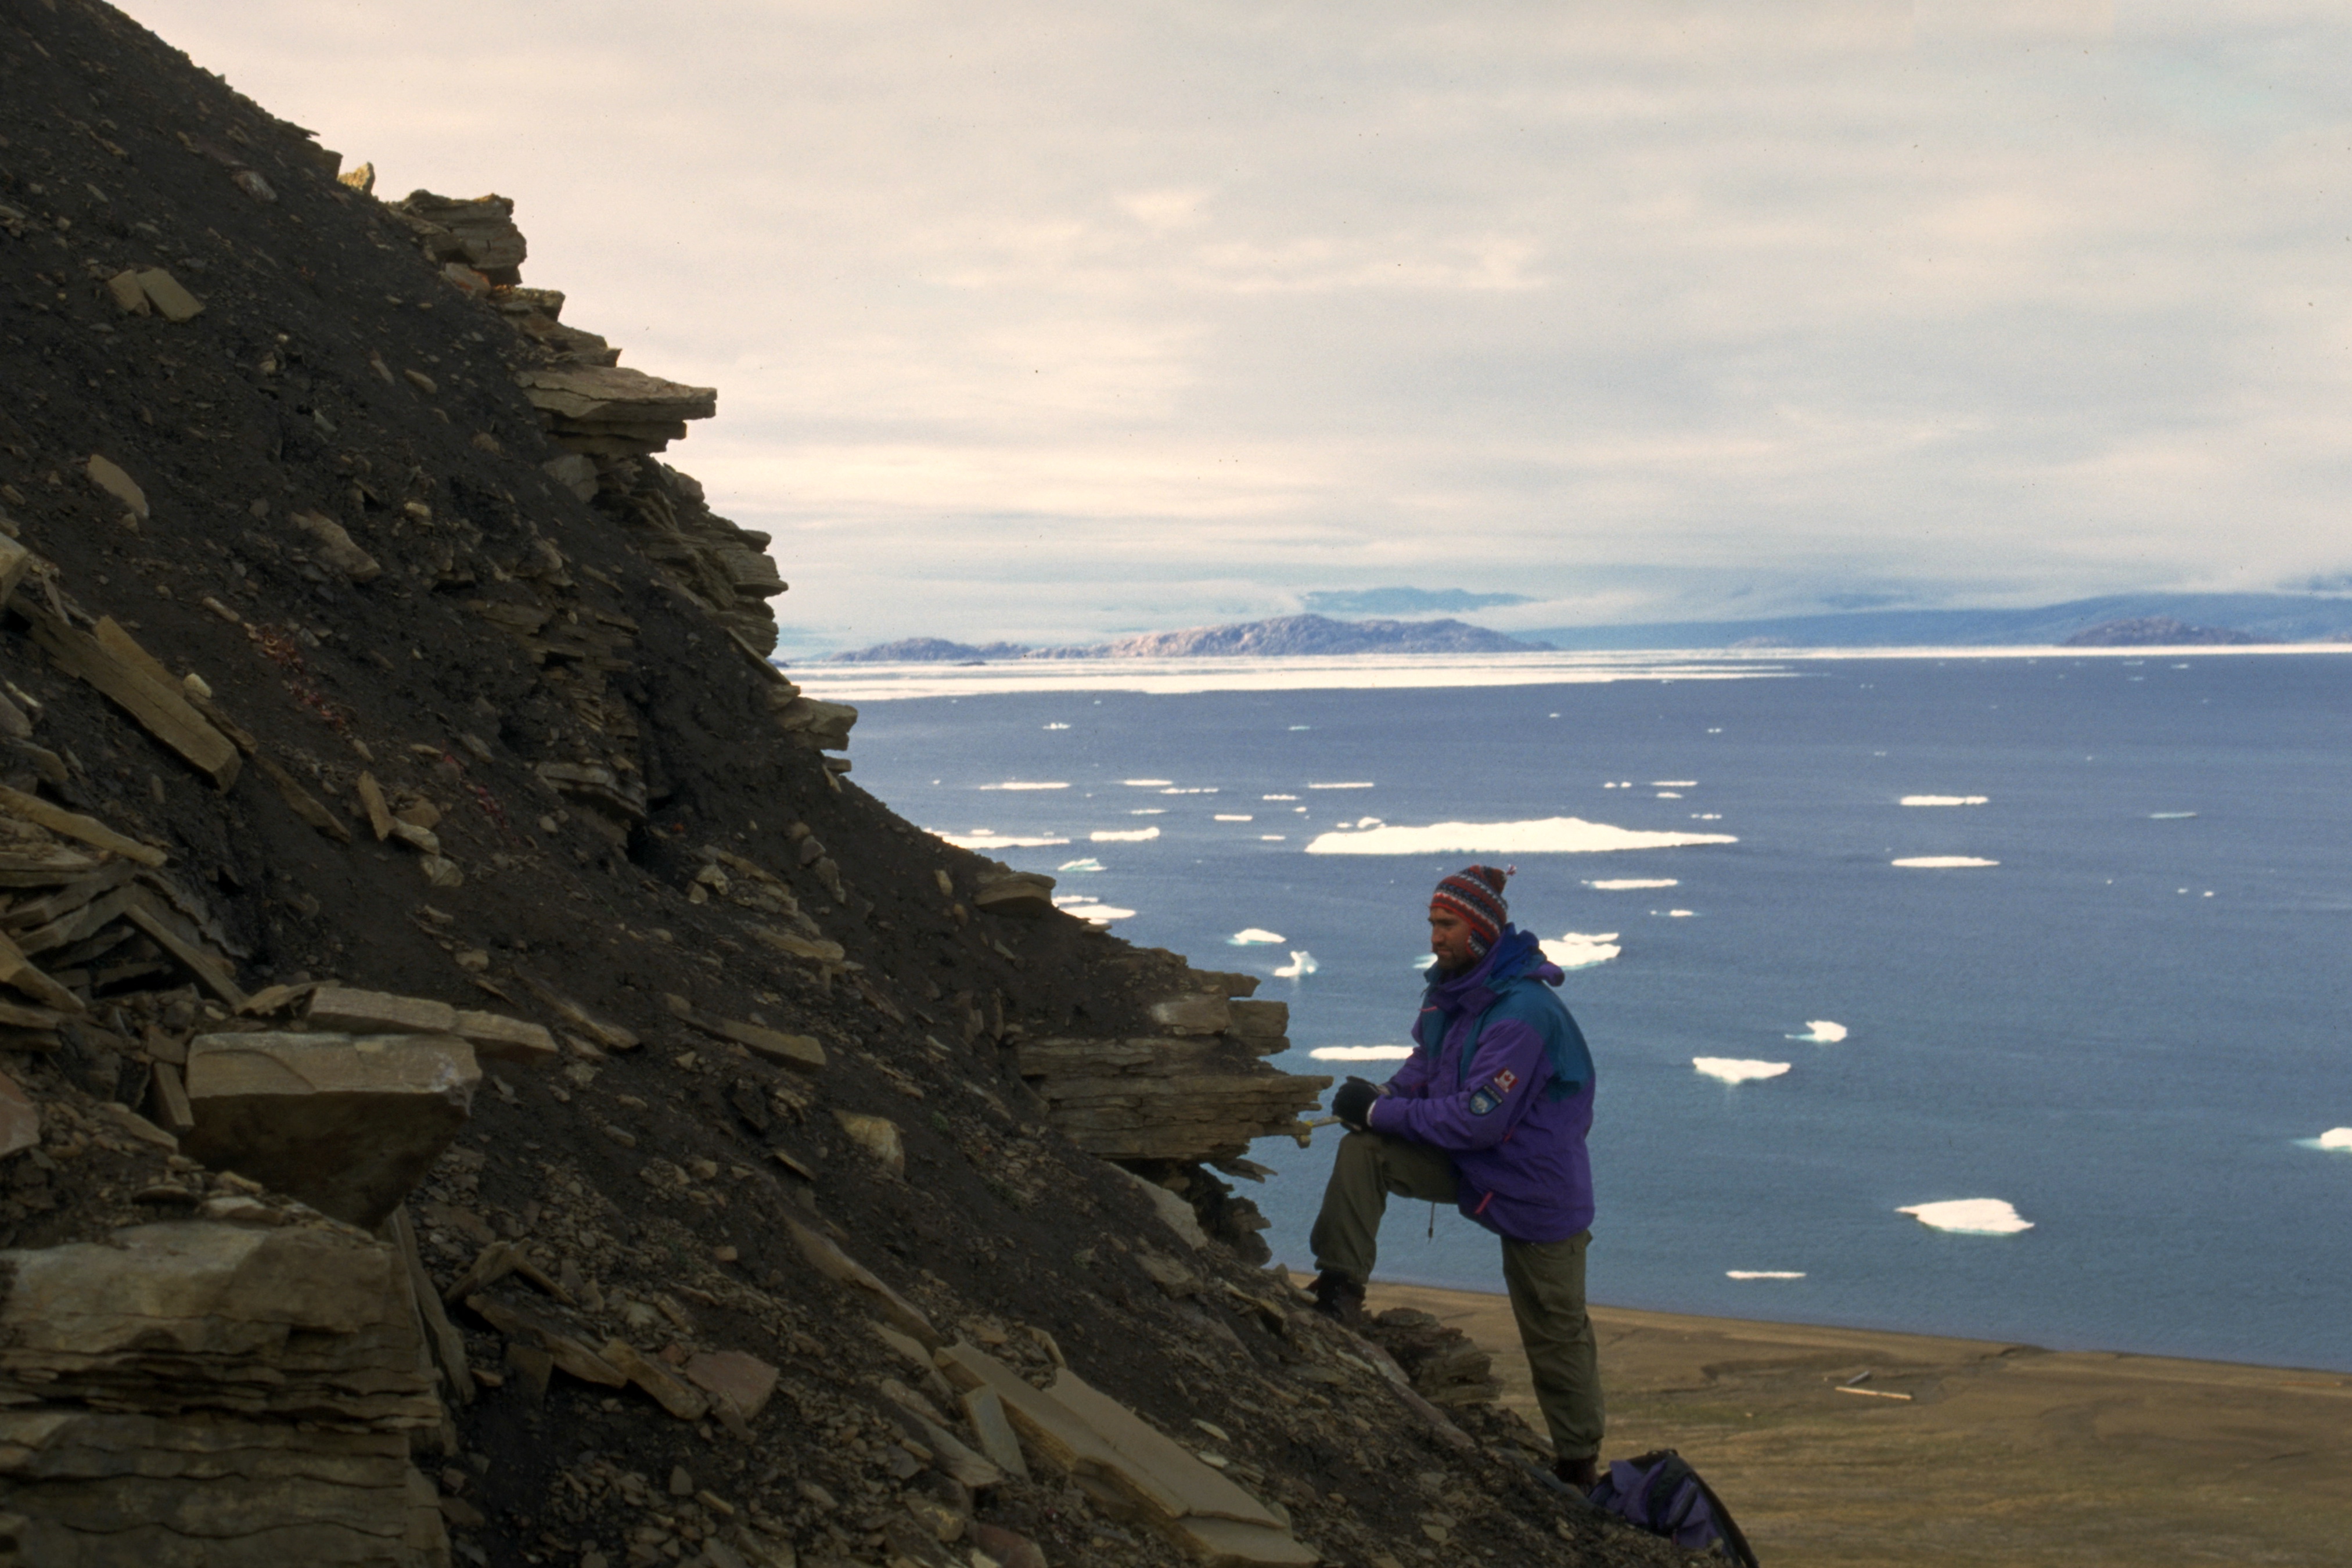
(1490, 1112)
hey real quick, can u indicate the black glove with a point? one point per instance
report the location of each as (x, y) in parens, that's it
(1353, 1103)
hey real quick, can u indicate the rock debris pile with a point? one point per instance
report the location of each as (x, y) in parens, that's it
(477, 1082)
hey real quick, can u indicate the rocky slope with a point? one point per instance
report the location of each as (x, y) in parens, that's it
(477, 1082)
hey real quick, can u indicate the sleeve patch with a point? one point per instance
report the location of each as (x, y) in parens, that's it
(1505, 1081)
(1485, 1100)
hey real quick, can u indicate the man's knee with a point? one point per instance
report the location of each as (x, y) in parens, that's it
(1547, 1281)
(1355, 1183)
(1356, 1165)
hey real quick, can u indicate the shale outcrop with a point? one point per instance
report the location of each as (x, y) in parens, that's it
(479, 1082)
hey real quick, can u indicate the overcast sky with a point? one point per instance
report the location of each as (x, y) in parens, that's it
(1048, 320)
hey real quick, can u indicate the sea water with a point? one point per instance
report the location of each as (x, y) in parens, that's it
(1993, 997)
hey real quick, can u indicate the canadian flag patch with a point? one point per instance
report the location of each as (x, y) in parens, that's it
(1505, 1081)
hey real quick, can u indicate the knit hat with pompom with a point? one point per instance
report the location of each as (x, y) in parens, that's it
(1475, 894)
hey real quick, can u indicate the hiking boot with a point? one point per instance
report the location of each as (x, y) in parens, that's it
(1339, 1298)
(1583, 1474)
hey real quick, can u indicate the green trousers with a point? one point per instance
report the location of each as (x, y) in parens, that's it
(1546, 1278)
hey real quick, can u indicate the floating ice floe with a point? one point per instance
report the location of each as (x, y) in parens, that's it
(1270, 838)
(1360, 1053)
(1763, 1274)
(1673, 783)
(1575, 949)
(1302, 963)
(1089, 864)
(1174, 789)
(1146, 811)
(1946, 800)
(1424, 961)
(1058, 726)
(1363, 823)
(1360, 784)
(1672, 914)
(1024, 783)
(1942, 862)
(1092, 909)
(983, 839)
(1296, 728)
(1255, 936)
(1277, 797)
(1970, 1217)
(1227, 817)
(2170, 816)
(1118, 836)
(1146, 783)
(1670, 794)
(1736, 1069)
(1630, 884)
(1553, 834)
(1821, 1032)
(2336, 1138)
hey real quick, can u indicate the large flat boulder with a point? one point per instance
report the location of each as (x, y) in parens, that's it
(107, 1491)
(1029, 894)
(348, 1123)
(1193, 1013)
(340, 1009)
(480, 231)
(1182, 1097)
(1261, 1020)
(609, 394)
(1142, 1450)
(307, 1322)
(1129, 1467)
(233, 1396)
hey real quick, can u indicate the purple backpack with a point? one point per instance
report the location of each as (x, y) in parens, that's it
(1663, 1495)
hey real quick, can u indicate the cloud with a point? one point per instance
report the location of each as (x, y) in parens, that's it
(1622, 305)
(1162, 211)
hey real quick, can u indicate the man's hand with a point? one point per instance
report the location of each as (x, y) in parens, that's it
(1353, 1103)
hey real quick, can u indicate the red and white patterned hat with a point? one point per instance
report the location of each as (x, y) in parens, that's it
(1475, 893)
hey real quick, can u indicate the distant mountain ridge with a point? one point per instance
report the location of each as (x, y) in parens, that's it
(2259, 617)
(2112, 620)
(930, 650)
(2159, 631)
(1293, 637)
(1284, 637)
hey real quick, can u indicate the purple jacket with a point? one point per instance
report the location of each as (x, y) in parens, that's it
(1501, 1079)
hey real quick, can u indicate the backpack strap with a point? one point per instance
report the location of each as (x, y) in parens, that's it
(1735, 1543)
